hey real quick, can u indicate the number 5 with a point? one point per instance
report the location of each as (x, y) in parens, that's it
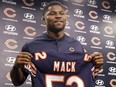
(60, 78)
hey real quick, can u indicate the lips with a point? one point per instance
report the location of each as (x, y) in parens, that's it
(58, 21)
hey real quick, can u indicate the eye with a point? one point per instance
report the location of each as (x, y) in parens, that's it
(52, 13)
(62, 13)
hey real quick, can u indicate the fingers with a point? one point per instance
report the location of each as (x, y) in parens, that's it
(95, 72)
(97, 59)
(24, 55)
(23, 58)
(97, 55)
(22, 61)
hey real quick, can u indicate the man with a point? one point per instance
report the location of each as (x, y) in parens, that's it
(55, 59)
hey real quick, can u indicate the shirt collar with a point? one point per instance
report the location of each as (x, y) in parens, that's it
(50, 38)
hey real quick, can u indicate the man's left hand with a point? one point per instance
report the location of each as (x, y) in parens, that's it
(98, 61)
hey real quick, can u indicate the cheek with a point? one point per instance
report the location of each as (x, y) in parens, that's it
(48, 22)
(64, 18)
(64, 21)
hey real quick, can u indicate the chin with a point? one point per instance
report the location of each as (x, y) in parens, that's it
(59, 27)
(57, 30)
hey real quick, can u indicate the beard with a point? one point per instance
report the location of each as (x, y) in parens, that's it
(56, 29)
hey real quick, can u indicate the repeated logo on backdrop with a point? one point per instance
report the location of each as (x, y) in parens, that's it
(30, 32)
(106, 6)
(30, 4)
(112, 82)
(10, 61)
(94, 29)
(78, 13)
(93, 16)
(10, 30)
(11, 43)
(29, 17)
(10, 14)
(99, 82)
(80, 27)
(96, 43)
(89, 21)
(82, 40)
(111, 56)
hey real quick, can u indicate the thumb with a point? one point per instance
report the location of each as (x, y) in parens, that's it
(95, 54)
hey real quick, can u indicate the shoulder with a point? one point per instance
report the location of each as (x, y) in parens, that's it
(36, 39)
(33, 41)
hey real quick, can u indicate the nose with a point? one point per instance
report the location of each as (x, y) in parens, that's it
(58, 16)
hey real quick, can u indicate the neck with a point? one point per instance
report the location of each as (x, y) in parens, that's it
(55, 35)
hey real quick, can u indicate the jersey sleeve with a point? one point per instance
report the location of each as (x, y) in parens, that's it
(25, 48)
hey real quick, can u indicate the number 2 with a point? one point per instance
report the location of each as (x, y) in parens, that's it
(60, 78)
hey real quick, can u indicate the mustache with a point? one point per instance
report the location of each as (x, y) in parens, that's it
(59, 20)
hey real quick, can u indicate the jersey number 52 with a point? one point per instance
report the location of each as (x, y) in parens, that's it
(60, 78)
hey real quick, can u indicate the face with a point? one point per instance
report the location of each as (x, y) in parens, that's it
(55, 18)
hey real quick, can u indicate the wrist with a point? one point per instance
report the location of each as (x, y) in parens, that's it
(16, 66)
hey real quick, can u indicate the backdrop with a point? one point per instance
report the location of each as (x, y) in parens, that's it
(92, 22)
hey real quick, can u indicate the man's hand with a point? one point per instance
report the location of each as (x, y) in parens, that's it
(98, 61)
(16, 74)
(23, 58)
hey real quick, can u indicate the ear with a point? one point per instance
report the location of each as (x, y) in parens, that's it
(43, 18)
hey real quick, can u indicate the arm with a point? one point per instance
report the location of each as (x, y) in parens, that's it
(18, 77)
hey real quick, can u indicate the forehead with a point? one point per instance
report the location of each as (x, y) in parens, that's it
(55, 8)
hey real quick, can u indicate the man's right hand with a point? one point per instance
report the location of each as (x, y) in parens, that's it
(16, 74)
(23, 58)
